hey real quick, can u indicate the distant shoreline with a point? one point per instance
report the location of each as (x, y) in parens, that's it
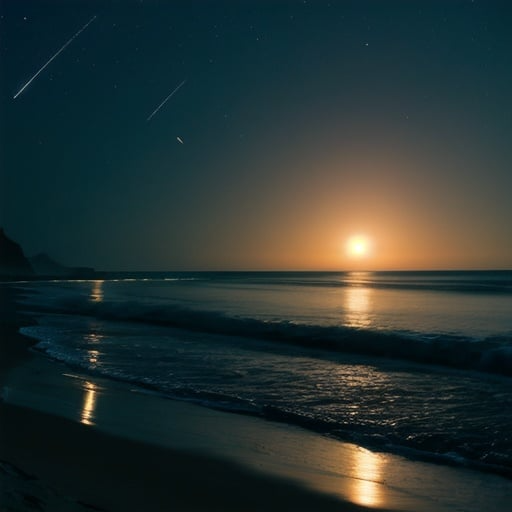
(91, 274)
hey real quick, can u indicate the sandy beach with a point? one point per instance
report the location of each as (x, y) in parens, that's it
(103, 472)
(254, 256)
(70, 442)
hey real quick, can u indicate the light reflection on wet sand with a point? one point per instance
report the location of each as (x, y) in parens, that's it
(90, 389)
(89, 403)
(368, 471)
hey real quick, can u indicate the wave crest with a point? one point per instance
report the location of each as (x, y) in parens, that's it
(492, 355)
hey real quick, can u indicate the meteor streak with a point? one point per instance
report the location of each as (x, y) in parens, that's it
(163, 102)
(53, 57)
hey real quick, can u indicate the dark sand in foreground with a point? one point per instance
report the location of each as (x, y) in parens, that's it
(117, 474)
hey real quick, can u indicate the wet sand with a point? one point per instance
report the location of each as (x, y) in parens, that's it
(119, 474)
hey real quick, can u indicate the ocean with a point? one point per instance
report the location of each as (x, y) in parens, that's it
(414, 363)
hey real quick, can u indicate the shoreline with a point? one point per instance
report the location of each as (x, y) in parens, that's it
(77, 461)
(75, 432)
(14, 346)
(46, 460)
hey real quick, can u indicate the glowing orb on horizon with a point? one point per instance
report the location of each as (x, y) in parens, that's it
(358, 246)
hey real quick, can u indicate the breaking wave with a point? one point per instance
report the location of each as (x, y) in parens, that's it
(492, 354)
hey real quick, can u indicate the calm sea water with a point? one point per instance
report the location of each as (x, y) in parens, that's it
(412, 362)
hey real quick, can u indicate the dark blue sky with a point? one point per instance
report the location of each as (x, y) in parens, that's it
(303, 123)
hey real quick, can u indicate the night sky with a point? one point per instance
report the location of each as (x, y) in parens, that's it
(301, 124)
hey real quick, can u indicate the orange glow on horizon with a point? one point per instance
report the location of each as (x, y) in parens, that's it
(359, 246)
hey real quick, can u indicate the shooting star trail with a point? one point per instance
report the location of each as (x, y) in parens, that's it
(165, 101)
(53, 57)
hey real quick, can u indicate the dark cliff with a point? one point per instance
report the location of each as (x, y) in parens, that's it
(13, 262)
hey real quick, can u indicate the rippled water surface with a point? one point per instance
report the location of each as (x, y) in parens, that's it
(413, 362)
